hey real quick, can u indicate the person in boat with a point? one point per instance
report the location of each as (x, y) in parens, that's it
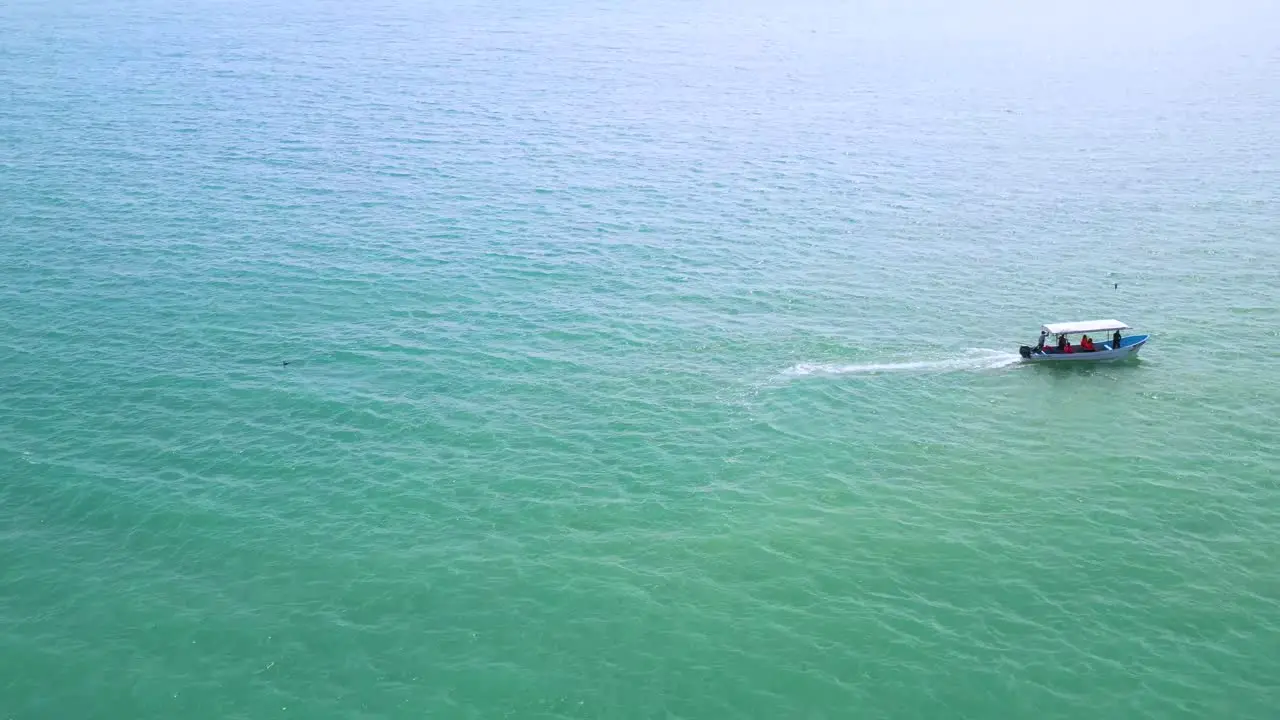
(1062, 343)
(1066, 348)
(1086, 344)
(1040, 345)
(1115, 341)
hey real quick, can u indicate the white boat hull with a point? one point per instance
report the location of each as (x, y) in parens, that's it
(1129, 348)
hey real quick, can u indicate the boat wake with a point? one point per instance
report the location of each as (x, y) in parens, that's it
(977, 359)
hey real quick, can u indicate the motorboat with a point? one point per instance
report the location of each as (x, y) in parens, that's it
(1116, 346)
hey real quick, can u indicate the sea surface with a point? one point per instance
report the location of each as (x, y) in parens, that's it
(584, 359)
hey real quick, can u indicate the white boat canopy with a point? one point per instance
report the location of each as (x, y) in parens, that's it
(1085, 326)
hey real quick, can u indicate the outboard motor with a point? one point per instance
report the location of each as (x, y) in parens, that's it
(1025, 351)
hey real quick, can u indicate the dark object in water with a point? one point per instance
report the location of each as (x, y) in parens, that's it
(1025, 351)
(284, 363)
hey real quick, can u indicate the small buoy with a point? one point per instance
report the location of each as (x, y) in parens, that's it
(1117, 286)
(284, 363)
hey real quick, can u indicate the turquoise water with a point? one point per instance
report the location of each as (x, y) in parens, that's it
(646, 361)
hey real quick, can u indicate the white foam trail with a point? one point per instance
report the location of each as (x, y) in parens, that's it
(973, 360)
